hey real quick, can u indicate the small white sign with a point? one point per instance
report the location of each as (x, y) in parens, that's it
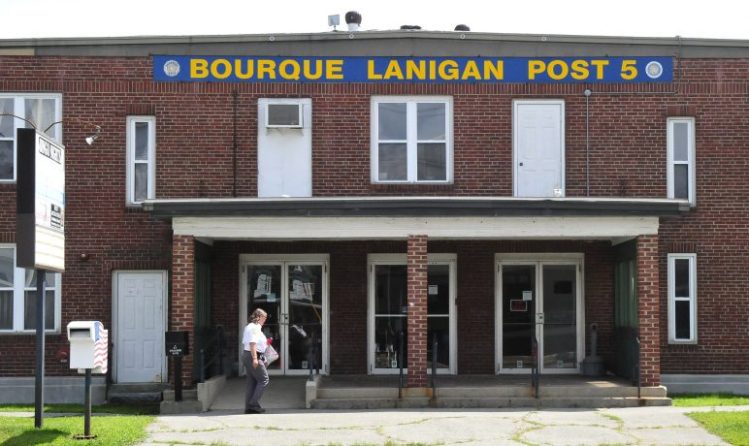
(519, 364)
(527, 295)
(433, 290)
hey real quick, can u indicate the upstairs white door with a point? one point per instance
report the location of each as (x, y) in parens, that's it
(539, 148)
(140, 301)
(284, 155)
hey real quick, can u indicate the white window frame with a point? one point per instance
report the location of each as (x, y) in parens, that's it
(19, 109)
(19, 293)
(690, 163)
(411, 137)
(300, 110)
(692, 299)
(131, 161)
(401, 259)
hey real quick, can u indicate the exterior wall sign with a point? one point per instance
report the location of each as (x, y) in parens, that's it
(541, 70)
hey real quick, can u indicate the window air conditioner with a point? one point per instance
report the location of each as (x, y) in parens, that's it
(283, 115)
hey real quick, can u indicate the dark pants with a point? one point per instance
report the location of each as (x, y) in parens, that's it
(257, 381)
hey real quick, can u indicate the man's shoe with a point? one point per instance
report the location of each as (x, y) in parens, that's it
(254, 410)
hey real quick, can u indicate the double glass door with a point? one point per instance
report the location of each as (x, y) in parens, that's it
(539, 312)
(388, 304)
(294, 294)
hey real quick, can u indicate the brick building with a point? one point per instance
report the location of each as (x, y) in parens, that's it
(477, 190)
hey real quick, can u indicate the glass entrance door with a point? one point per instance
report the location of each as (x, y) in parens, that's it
(294, 294)
(539, 300)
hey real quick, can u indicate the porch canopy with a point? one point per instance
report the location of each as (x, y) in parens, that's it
(372, 218)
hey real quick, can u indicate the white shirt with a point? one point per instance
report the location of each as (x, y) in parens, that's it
(254, 333)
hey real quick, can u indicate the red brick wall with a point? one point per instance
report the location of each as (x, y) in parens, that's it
(417, 310)
(182, 308)
(648, 295)
(195, 152)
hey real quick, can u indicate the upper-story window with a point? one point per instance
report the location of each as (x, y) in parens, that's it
(41, 110)
(141, 159)
(18, 296)
(412, 139)
(681, 159)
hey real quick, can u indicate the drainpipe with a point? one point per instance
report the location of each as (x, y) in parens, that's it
(235, 96)
(587, 94)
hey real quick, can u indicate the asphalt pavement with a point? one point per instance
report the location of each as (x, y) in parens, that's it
(625, 426)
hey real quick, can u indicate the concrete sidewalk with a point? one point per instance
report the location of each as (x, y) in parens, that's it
(640, 426)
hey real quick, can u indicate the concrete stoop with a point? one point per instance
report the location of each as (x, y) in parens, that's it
(189, 403)
(147, 393)
(488, 397)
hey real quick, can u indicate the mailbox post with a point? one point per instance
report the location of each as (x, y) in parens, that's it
(177, 346)
(89, 346)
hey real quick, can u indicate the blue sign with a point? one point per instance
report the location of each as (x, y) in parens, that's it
(434, 70)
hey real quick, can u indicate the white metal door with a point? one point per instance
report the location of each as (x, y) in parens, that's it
(284, 155)
(139, 330)
(539, 148)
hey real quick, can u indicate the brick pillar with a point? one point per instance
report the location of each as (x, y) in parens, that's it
(648, 292)
(182, 311)
(417, 311)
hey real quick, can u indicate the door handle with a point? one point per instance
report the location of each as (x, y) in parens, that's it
(521, 164)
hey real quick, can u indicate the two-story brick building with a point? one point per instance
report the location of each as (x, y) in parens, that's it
(480, 190)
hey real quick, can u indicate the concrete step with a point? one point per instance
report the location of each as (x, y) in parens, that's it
(561, 403)
(140, 393)
(485, 392)
(357, 392)
(355, 403)
(187, 395)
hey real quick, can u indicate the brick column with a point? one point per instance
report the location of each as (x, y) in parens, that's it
(182, 311)
(417, 311)
(648, 293)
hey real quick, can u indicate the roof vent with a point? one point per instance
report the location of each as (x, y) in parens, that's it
(462, 27)
(353, 20)
(410, 27)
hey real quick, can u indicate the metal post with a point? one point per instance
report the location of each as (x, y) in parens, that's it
(87, 402)
(434, 359)
(39, 383)
(177, 378)
(400, 363)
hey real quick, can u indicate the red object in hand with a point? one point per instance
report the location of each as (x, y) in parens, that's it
(270, 341)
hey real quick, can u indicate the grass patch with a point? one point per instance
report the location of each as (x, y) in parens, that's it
(732, 427)
(709, 399)
(114, 430)
(120, 409)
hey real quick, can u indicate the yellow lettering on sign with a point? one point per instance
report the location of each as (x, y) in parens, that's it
(198, 68)
(307, 68)
(334, 69)
(557, 70)
(535, 67)
(580, 70)
(416, 70)
(495, 70)
(371, 71)
(471, 71)
(266, 68)
(432, 70)
(220, 69)
(238, 65)
(629, 69)
(600, 65)
(393, 71)
(448, 70)
(289, 70)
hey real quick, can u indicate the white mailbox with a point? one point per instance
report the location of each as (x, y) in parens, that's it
(88, 346)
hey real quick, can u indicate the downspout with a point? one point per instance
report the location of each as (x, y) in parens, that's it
(587, 94)
(235, 96)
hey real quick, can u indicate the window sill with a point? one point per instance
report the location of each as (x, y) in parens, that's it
(411, 187)
(29, 333)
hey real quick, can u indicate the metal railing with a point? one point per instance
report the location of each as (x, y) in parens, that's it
(434, 362)
(535, 375)
(637, 371)
(211, 353)
(312, 351)
(400, 364)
